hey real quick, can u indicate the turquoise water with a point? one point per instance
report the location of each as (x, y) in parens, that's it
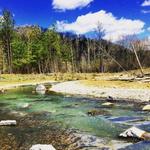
(71, 112)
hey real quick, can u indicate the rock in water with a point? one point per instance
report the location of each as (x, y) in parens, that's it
(107, 104)
(8, 123)
(136, 133)
(146, 108)
(40, 89)
(42, 147)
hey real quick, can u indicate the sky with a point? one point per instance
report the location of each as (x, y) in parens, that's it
(117, 18)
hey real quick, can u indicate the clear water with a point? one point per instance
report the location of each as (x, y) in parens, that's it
(71, 112)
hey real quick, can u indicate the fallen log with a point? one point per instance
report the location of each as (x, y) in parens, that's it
(8, 123)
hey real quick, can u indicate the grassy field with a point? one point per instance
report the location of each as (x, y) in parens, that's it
(103, 80)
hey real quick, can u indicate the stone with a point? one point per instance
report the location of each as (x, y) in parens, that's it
(135, 132)
(109, 98)
(146, 108)
(125, 119)
(96, 112)
(8, 123)
(108, 104)
(23, 105)
(42, 147)
(40, 89)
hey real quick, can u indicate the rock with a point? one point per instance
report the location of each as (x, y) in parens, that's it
(109, 98)
(89, 142)
(42, 147)
(146, 108)
(23, 105)
(136, 133)
(96, 112)
(108, 104)
(2, 91)
(81, 141)
(40, 89)
(125, 119)
(8, 123)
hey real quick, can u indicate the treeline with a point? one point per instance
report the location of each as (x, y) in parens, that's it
(32, 49)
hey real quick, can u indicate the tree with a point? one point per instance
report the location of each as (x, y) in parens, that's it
(7, 29)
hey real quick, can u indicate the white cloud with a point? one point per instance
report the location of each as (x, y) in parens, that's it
(146, 3)
(114, 28)
(148, 29)
(145, 11)
(70, 4)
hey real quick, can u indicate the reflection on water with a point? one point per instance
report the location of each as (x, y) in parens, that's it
(66, 112)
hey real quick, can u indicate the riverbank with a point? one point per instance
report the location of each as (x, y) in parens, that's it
(81, 88)
(117, 85)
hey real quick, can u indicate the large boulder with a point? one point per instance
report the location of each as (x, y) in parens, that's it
(40, 89)
(42, 147)
(135, 132)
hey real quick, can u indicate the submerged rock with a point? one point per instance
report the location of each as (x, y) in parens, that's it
(146, 108)
(90, 142)
(135, 132)
(23, 105)
(8, 123)
(96, 112)
(42, 147)
(125, 119)
(144, 145)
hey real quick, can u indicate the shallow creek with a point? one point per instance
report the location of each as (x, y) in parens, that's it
(46, 118)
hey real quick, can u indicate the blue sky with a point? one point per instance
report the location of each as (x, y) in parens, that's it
(117, 17)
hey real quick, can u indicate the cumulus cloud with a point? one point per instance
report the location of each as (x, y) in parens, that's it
(113, 28)
(146, 3)
(70, 4)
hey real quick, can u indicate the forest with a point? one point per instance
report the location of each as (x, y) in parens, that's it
(33, 49)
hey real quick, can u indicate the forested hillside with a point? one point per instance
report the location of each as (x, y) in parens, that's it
(32, 49)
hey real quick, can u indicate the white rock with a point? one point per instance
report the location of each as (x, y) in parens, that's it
(107, 104)
(23, 105)
(8, 122)
(136, 133)
(146, 108)
(40, 89)
(42, 147)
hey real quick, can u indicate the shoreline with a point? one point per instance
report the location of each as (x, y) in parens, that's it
(6, 87)
(77, 88)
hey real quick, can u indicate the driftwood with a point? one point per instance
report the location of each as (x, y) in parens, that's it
(8, 123)
(135, 132)
(42, 147)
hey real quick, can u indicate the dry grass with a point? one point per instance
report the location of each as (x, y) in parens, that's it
(116, 84)
(90, 79)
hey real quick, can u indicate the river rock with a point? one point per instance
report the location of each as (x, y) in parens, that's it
(96, 112)
(89, 142)
(8, 123)
(146, 108)
(40, 89)
(136, 133)
(125, 119)
(23, 105)
(108, 104)
(42, 147)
